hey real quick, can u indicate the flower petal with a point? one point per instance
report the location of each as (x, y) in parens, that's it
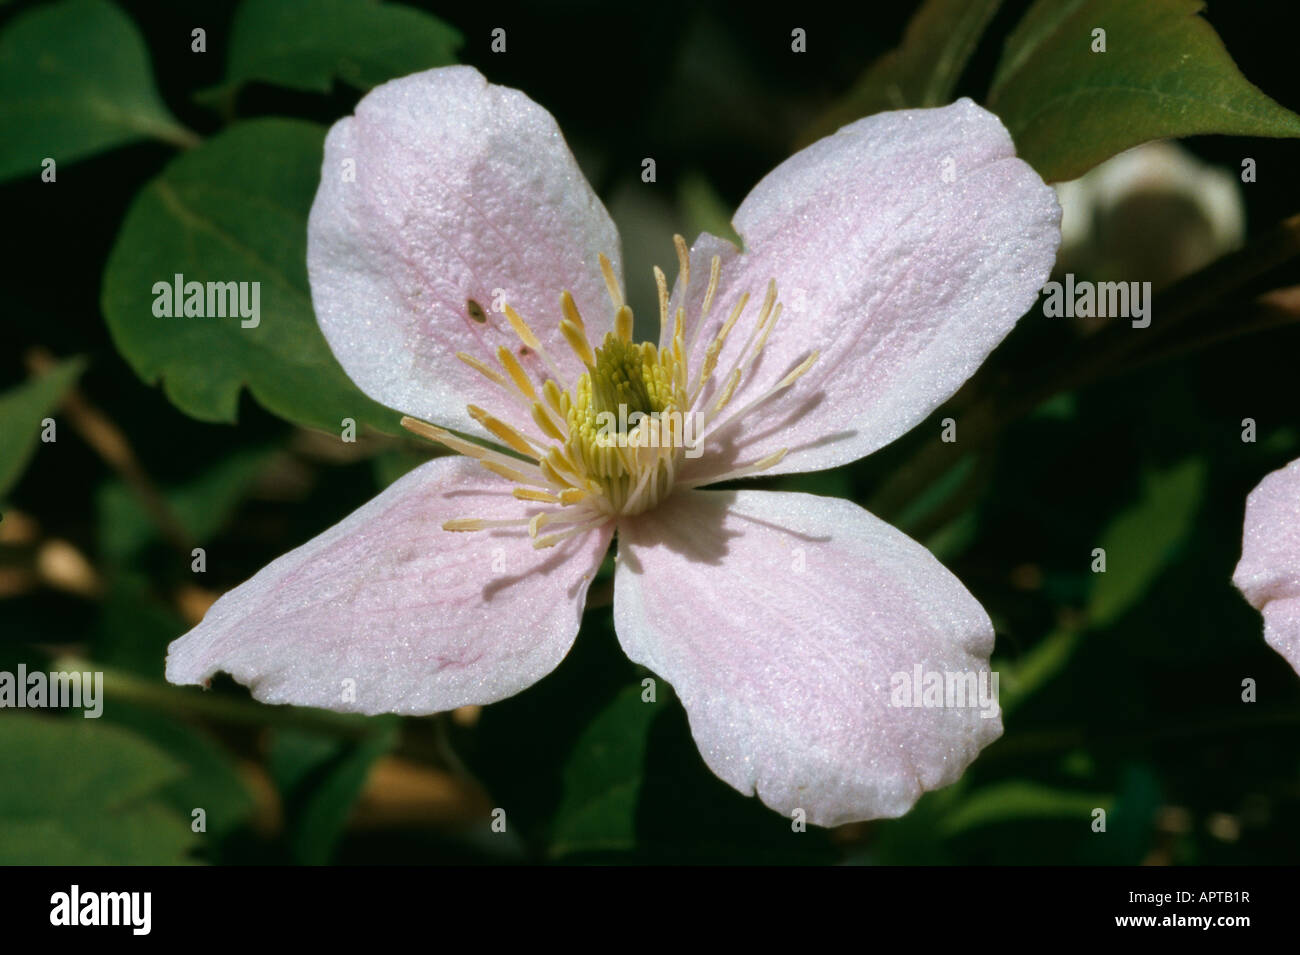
(413, 619)
(782, 620)
(1269, 572)
(904, 248)
(444, 189)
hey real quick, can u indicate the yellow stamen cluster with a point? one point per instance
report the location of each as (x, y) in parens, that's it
(611, 444)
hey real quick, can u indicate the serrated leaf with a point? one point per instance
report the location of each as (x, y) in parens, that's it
(88, 796)
(21, 411)
(602, 779)
(75, 81)
(233, 210)
(1140, 541)
(922, 71)
(307, 44)
(1165, 73)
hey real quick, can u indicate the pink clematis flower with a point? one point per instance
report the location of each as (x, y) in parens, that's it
(458, 259)
(1269, 571)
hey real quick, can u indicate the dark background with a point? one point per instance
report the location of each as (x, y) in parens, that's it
(1148, 709)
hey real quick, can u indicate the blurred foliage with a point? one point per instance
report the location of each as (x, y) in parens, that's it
(1145, 535)
(22, 409)
(319, 778)
(1121, 691)
(52, 105)
(201, 507)
(923, 71)
(89, 796)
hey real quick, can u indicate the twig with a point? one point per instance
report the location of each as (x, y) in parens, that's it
(110, 443)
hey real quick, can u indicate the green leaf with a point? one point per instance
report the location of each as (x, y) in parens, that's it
(88, 796)
(75, 81)
(306, 44)
(320, 778)
(922, 71)
(1165, 73)
(210, 782)
(21, 411)
(1142, 539)
(233, 210)
(602, 779)
(1018, 800)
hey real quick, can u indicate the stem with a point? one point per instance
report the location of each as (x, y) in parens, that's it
(173, 134)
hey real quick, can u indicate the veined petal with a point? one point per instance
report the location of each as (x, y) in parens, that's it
(1269, 571)
(441, 198)
(783, 622)
(386, 612)
(904, 248)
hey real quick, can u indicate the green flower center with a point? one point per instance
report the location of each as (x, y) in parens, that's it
(610, 445)
(619, 418)
(627, 376)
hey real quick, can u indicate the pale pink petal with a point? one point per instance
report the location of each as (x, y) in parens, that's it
(443, 189)
(781, 621)
(1269, 572)
(388, 613)
(904, 248)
